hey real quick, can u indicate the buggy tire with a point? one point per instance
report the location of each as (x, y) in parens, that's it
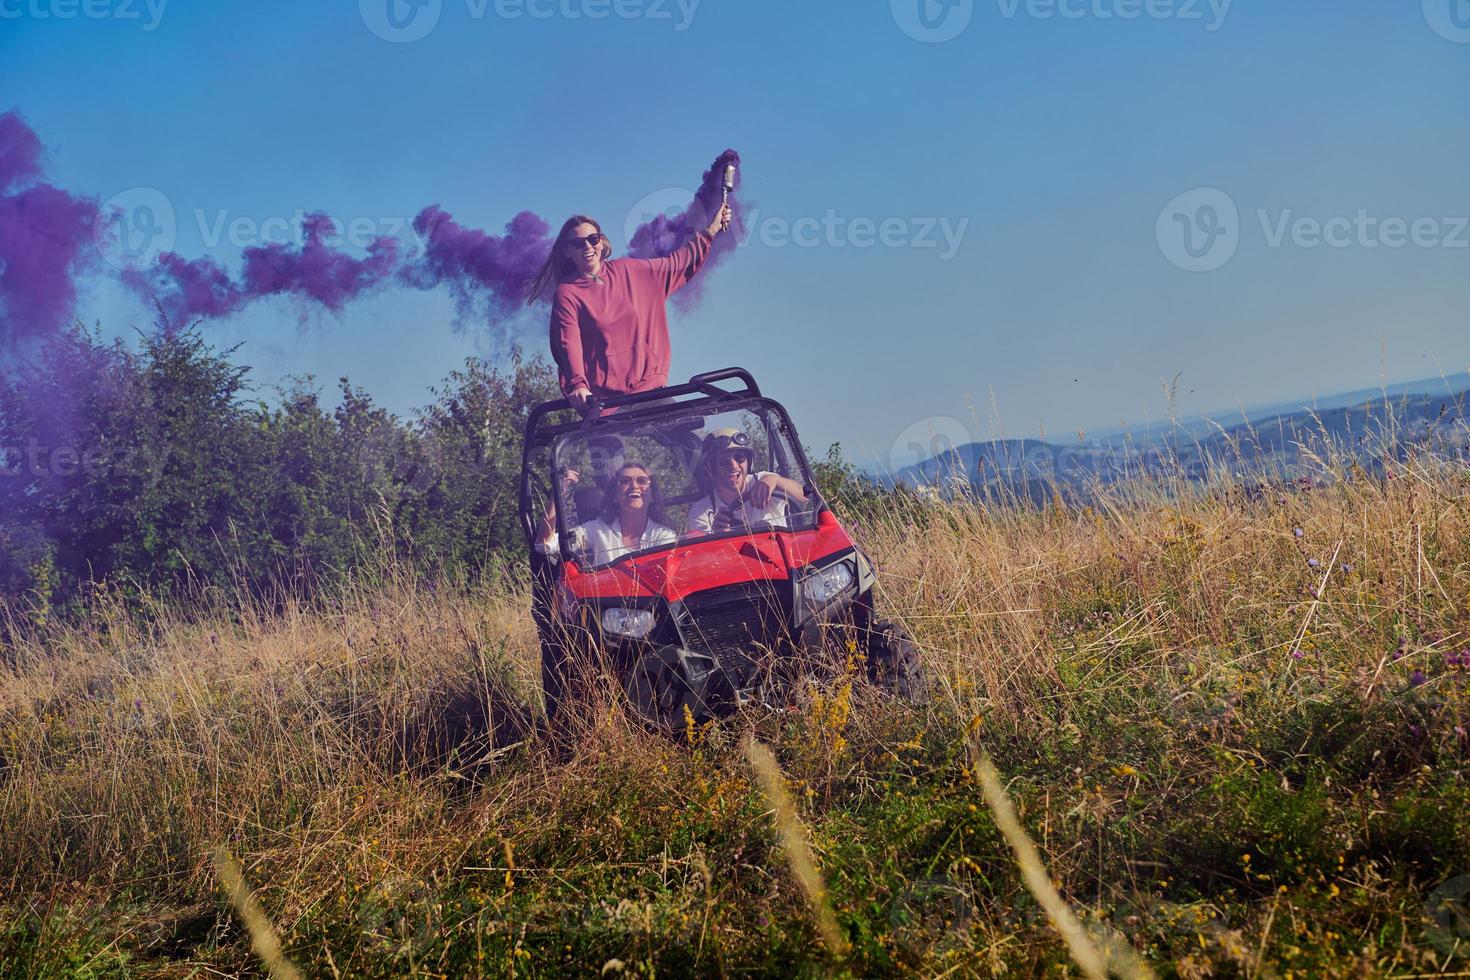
(893, 660)
(659, 695)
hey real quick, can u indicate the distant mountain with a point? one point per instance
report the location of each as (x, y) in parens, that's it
(1431, 387)
(1274, 442)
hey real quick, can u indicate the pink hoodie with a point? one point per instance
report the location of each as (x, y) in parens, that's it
(612, 337)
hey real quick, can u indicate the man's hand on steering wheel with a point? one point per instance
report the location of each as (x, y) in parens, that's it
(727, 520)
(760, 491)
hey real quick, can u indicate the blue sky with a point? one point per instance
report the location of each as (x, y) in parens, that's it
(1040, 271)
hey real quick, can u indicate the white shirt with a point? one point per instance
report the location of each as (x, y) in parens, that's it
(605, 541)
(702, 513)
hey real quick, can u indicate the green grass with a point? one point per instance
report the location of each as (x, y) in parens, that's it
(1222, 771)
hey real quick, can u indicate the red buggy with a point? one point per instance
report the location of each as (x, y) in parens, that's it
(699, 625)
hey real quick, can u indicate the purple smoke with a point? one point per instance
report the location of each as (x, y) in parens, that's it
(187, 289)
(664, 234)
(487, 275)
(20, 152)
(484, 273)
(47, 238)
(190, 289)
(317, 270)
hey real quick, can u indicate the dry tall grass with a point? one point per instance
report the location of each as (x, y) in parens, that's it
(1234, 725)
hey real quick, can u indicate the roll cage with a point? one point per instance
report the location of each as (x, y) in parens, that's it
(701, 395)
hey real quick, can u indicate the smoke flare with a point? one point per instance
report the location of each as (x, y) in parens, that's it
(664, 234)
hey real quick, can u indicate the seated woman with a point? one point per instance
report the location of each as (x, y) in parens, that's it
(736, 495)
(631, 519)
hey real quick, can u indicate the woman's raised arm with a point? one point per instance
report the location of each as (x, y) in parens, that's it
(678, 267)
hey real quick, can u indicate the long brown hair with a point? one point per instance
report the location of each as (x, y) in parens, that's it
(610, 509)
(557, 268)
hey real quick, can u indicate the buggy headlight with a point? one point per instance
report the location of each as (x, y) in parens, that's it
(820, 588)
(635, 623)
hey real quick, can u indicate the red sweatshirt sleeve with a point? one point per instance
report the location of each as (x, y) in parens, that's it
(566, 343)
(678, 267)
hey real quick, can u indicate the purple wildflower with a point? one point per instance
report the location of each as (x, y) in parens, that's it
(1346, 567)
(1313, 563)
(1297, 655)
(1297, 531)
(1416, 678)
(137, 704)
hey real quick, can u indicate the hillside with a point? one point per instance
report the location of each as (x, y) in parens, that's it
(1261, 447)
(1233, 725)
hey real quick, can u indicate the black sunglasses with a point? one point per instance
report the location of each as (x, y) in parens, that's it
(595, 239)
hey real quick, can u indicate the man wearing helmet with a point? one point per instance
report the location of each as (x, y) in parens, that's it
(736, 494)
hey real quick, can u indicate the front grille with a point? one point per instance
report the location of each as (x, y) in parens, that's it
(736, 623)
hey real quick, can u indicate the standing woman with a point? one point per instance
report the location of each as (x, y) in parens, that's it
(609, 322)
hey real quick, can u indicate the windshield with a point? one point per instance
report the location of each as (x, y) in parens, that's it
(680, 479)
